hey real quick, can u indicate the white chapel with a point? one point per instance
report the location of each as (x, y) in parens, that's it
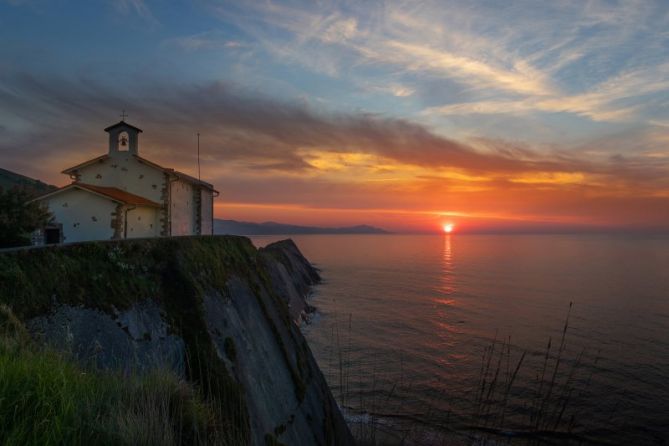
(122, 195)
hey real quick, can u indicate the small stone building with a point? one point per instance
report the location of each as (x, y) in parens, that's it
(122, 195)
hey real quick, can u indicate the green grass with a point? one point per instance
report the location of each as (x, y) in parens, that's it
(177, 273)
(46, 398)
(115, 274)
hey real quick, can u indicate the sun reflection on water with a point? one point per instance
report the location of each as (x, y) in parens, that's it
(447, 271)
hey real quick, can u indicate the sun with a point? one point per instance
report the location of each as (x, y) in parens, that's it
(448, 228)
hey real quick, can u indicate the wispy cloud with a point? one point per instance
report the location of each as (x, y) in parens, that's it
(395, 39)
(263, 133)
(520, 78)
(138, 7)
(574, 58)
(605, 102)
(207, 40)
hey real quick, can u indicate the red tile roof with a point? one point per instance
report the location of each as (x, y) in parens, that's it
(118, 195)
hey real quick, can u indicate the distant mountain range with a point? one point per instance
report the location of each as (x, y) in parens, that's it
(10, 179)
(272, 228)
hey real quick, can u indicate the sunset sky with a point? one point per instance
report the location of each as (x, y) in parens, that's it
(404, 115)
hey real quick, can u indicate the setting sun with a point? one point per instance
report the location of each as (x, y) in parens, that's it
(448, 228)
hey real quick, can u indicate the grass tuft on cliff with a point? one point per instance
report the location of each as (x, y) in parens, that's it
(113, 275)
(47, 399)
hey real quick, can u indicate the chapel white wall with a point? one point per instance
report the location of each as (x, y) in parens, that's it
(123, 171)
(182, 208)
(142, 221)
(84, 216)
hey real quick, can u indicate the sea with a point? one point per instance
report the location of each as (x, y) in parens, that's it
(494, 339)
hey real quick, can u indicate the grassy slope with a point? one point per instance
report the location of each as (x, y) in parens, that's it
(111, 274)
(114, 275)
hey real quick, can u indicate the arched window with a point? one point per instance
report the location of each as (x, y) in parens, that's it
(123, 141)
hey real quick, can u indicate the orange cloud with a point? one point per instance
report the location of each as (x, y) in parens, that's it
(287, 162)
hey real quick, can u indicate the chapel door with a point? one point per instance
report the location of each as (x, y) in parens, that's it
(52, 235)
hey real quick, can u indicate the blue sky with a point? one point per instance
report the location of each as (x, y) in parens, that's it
(579, 84)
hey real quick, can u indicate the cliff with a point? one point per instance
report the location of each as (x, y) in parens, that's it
(213, 310)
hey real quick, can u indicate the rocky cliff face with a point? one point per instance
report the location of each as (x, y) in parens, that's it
(292, 276)
(213, 309)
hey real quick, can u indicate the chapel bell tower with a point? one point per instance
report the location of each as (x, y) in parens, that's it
(123, 137)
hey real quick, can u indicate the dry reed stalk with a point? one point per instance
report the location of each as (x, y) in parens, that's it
(567, 389)
(583, 390)
(508, 388)
(558, 360)
(491, 388)
(484, 377)
(534, 413)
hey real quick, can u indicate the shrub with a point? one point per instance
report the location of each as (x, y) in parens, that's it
(19, 217)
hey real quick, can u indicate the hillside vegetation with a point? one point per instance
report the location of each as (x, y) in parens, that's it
(189, 340)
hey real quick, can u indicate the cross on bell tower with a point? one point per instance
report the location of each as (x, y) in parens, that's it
(123, 115)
